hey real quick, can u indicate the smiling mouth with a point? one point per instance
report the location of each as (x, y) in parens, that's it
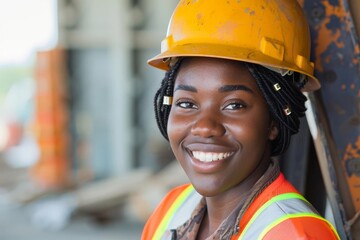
(210, 156)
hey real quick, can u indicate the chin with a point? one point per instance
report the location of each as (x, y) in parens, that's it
(208, 187)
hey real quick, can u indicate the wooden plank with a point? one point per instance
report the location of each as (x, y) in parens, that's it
(110, 192)
(143, 202)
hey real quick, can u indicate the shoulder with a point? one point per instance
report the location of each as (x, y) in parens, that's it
(302, 227)
(277, 187)
(280, 212)
(159, 213)
(299, 220)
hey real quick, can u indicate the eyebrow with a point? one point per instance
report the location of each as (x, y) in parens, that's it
(186, 88)
(226, 88)
(229, 88)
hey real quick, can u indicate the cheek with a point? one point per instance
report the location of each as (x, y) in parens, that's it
(177, 131)
(252, 131)
(175, 128)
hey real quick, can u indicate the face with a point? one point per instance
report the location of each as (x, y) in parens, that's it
(219, 126)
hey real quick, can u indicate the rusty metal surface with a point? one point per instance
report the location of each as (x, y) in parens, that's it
(355, 12)
(336, 54)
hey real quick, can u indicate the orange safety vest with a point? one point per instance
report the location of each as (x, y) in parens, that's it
(279, 212)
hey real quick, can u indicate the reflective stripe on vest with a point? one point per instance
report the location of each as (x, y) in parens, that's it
(179, 212)
(276, 210)
(296, 215)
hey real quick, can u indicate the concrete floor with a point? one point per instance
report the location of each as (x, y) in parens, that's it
(15, 225)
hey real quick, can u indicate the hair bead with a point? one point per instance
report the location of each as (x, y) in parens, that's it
(277, 87)
(287, 110)
(167, 100)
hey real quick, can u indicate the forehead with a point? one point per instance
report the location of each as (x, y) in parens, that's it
(217, 71)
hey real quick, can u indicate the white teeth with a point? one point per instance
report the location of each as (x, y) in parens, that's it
(210, 156)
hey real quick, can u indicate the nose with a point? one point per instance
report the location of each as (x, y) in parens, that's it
(208, 125)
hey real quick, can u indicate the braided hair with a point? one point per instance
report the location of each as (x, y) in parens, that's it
(282, 94)
(166, 89)
(285, 100)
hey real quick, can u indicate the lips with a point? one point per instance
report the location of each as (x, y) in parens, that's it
(210, 156)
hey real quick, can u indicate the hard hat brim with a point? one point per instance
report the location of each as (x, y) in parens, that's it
(231, 53)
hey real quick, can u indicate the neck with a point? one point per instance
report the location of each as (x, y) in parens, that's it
(221, 206)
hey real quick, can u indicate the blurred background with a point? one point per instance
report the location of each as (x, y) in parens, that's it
(79, 144)
(80, 153)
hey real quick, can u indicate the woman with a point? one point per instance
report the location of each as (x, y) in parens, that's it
(230, 100)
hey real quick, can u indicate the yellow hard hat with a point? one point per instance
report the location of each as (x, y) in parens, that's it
(272, 33)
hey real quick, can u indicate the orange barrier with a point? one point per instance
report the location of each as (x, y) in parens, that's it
(51, 120)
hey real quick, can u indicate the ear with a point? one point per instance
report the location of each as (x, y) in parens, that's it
(273, 130)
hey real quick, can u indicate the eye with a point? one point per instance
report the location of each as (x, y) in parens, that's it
(234, 106)
(186, 105)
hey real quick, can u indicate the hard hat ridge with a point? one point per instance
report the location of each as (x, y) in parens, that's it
(274, 34)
